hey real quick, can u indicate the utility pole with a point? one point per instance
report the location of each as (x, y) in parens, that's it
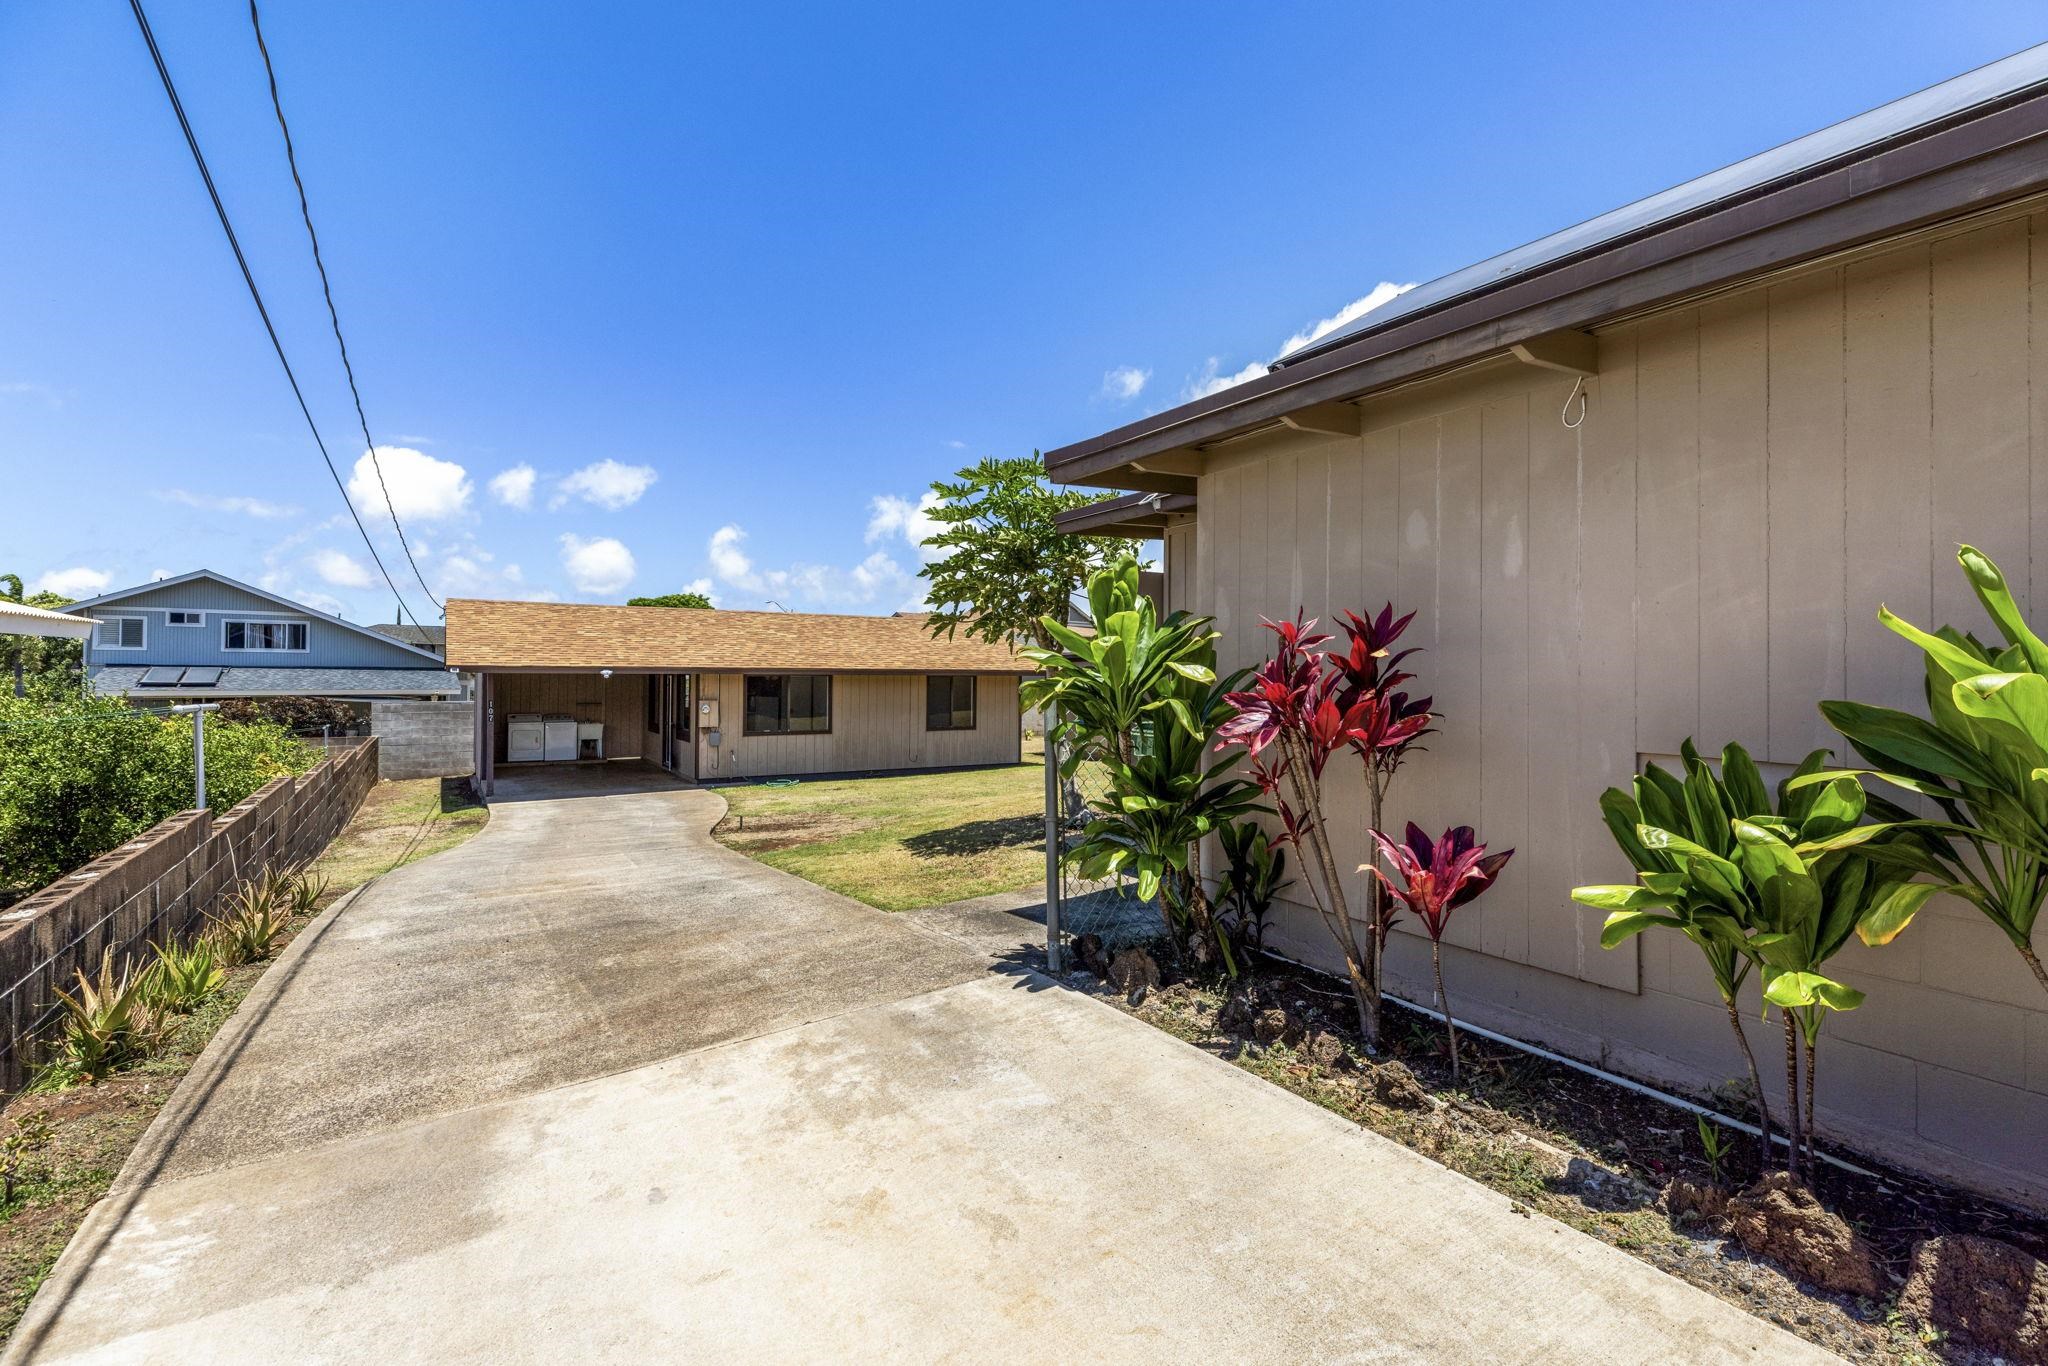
(197, 711)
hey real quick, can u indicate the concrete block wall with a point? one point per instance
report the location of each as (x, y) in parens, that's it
(424, 739)
(162, 885)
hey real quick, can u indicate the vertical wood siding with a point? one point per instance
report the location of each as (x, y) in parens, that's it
(877, 724)
(1703, 558)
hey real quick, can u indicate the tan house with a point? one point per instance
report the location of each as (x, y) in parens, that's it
(714, 696)
(1647, 479)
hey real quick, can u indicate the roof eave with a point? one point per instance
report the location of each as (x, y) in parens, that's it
(1890, 190)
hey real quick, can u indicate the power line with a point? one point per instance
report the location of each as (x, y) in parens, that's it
(305, 212)
(248, 278)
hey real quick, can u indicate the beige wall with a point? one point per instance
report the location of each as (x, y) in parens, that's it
(1703, 557)
(877, 723)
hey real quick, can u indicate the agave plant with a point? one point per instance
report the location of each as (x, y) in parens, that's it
(1980, 755)
(108, 1022)
(182, 977)
(303, 888)
(1754, 885)
(258, 912)
(1437, 877)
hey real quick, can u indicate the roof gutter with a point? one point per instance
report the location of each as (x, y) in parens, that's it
(1988, 156)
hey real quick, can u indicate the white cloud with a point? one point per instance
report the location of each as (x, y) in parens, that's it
(889, 516)
(817, 585)
(514, 487)
(342, 571)
(957, 445)
(423, 488)
(247, 507)
(77, 582)
(602, 566)
(1124, 383)
(1210, 381)
(608, 484)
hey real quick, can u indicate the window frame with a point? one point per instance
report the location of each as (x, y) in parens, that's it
(973, 704)
(171, 615)
(282, 623)
(747, 728)
(105, 619)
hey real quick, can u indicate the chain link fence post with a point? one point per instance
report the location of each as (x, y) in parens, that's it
(1054, 955)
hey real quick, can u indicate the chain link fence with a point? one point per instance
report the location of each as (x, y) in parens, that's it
(1111, 910)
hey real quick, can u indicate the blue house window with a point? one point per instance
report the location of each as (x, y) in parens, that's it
(263, 635)
(120, 633)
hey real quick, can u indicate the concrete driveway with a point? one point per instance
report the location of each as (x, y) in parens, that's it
(593, 1088)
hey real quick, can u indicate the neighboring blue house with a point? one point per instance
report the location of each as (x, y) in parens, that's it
(205, 635)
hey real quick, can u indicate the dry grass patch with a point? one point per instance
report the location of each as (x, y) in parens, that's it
(899, 843)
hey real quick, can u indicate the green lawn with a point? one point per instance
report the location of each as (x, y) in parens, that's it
(900, 843)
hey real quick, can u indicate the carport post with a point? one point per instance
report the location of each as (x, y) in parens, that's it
(1052, 846)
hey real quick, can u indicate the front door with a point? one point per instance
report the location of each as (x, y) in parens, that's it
(680, 754)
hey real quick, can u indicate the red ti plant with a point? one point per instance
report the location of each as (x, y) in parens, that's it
(1292, 722)
(1390, 725)
(1438, 876)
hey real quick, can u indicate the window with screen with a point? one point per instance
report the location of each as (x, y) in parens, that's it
(119, 633)
(949, 702)
(263, 635)
(788, 704)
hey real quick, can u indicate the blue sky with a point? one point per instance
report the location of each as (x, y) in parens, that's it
(659, 296)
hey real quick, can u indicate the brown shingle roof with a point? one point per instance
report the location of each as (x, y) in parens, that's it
(558, 635)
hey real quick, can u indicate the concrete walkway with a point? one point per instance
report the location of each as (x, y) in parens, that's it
(593, 1088)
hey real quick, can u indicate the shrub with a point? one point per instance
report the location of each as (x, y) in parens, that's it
(80, 774)
(1254, 878)
(300, 715)
(26, 1135)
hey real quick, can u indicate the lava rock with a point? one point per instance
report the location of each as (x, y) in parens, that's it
(1237, 1013)
(1134, 973)
(1983, 1291)
(1394, 1086)
(1689, 1201)
(1780, 1219)
(1088, 954)
(1603, 1188)
(1326, 1051)
(1275, 1026)
(1083, 981)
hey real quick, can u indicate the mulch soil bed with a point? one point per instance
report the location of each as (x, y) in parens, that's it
(1580, 1150)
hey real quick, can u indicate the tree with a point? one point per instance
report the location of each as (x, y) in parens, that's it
(1005, 565)
(672, 600)
(31, 657)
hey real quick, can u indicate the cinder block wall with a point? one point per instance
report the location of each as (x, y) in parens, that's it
(424, 739)
(162, 885)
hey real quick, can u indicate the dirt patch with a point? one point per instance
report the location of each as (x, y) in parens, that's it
(765, 833)
(1983, 1292)
(1595, 1156)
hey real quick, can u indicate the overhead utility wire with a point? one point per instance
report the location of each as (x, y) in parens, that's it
(191, 141)
(333, 317)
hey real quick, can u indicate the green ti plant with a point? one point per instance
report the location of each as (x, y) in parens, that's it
(1980, 756)
(1714, 1144)
(1254, 875)
(1141, 697)
(1774, 888)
